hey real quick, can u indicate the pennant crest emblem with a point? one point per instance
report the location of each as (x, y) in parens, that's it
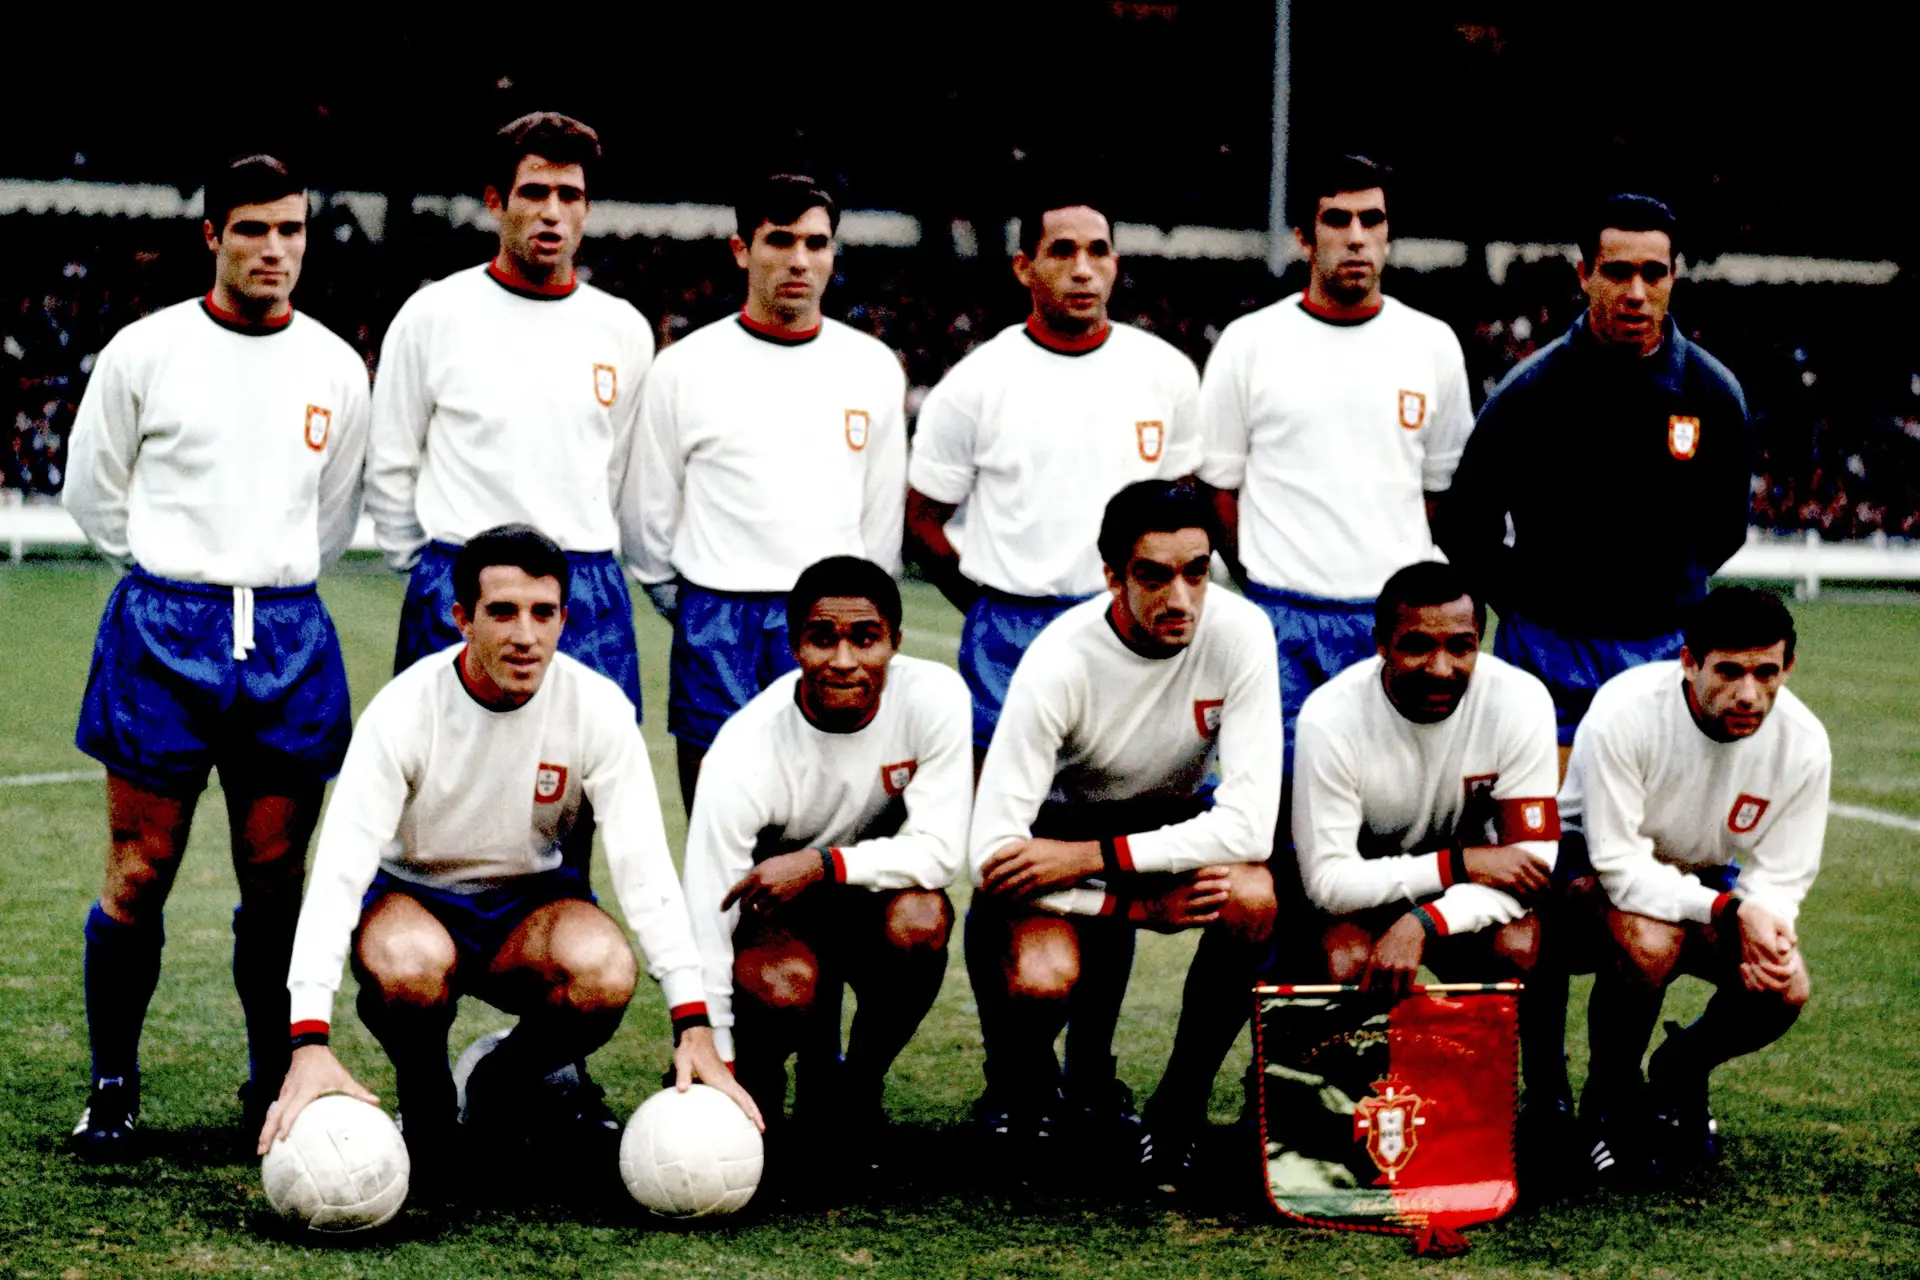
(319, 423)
(549, 783)
(895, 777)
(606, 384)
(1413, 409)
(1390, 1120)
(1153, 439)
(1746, 814)
(1206, 716)
(859, 427)
(1683, 436)
(1533, 816)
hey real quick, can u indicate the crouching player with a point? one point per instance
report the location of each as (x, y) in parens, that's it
(831, 815)
(1093, 817)
(440, 868)
(1698, 790)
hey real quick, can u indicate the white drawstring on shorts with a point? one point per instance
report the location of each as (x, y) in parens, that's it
(242, 622)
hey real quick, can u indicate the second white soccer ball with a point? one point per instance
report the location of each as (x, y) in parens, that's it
(343, 1167)
(687, 1155)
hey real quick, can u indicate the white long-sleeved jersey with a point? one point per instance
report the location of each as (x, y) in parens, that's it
(889, 802)
(1016, 415)
(210, 451)
(1088, 720)
(763, 454)
(442, 791)
(1379, 801)
(495, 405)
(1331, 432)
(1657, 799)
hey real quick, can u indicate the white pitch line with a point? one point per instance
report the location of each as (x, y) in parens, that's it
(1860, 813)
(41, 779)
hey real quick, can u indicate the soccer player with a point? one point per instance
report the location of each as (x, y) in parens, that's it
(1093, 817)
(440, 868)
(1698, 791)
(1330, 422)
(510, 392)
(831, 816)
(1065, 394)
(771, 440)
(1628, 416)
(217, 455)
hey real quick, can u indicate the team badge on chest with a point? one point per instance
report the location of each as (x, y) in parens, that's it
(319, 423)
(1206, 715)
(606, 384)
(1683, 436)
(1152, 437)
(1391, 1121)
(895, 777)
(1413, 409)
(859, 427)
(549, 783)
(1746, 814)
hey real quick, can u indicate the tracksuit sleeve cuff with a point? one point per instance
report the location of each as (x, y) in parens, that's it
(309, 1002)
(683, 987)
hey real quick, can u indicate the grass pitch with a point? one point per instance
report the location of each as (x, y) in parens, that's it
(1821, 1178)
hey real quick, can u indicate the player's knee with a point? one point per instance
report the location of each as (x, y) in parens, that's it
(783, 983)
(1649, 949)
(1044, 969)
(1251, 905)
(1518, 943)
(1348, 949)
(596, 967)
(409, 966)
(1799, 987)
(919, 921)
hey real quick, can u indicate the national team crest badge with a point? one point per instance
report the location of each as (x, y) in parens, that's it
(859, 427)
(1413, 409)
(1746, 814)
(1533, 816)
(1206, 715)
(1683, 436)
(319, 423)
(549, 783)
(606, 384)
(1390, 1121)
(895, 777)
(1152, 437)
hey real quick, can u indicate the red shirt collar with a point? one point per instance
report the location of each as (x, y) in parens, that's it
(1338, 315)
(513, 282)
(233, 320)
(1079, 346)
(774, 333)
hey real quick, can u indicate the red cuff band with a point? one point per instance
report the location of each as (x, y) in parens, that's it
(1433, 921)
(838, 862)
(1444, 858)
(310, 1027)
(1720, 904)
(691, 1009)
(1123, 853)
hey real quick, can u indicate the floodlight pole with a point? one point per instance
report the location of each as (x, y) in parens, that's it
(1278, 232)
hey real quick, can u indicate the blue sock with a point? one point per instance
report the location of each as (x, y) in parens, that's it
(262, 954)
(123, 967)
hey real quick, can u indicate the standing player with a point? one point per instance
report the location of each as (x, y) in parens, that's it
(830, 820)
(1064, 394)
(1330, 420)
(509, 392)
(771, 440)
(1630, 416)
(1093, 816)
(440, 868)
(1698, 791)
(217, 454)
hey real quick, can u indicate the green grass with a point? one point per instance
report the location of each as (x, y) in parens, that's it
(1820, 1178)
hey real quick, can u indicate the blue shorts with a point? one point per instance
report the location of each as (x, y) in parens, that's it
(727, 647)
(480, 923)
(166, 700)
(599, 630)
(1574, 667)
(1317, 640)
(995, 634)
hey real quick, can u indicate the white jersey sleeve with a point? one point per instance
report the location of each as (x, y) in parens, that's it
(1786, 859)
(397, 446)
(1225, 426)
(100, 453)
(1328, 813)
(1614, 778)
(722, 834)
(1017, 775)
(883, 512)
(944, 440)
(1445, 435)
(662, 475)
(342, 478)
(927, 851)
(628, 453)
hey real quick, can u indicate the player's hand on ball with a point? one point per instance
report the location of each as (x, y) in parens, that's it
(1034, 867)
(313, 1072)
(695, 1058)
(1395, 962)
(779, 879)
(1507, 867)
(1193, 901)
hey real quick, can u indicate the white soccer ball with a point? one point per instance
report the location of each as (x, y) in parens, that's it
(342, 1168)
(687, 1155)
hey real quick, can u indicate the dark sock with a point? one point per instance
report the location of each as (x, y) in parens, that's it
(894, 999)
(1017, 1035)
(1736, 1022)
(1620, 1018)
(547, 1039)
(415, 1040)
(817, 1068)
(122, 969)
(1543, 1030)
(1093, 1010)
(1213, 1007)
(763, 1040)
(262, 954)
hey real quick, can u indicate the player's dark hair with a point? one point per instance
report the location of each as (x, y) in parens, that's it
(782, 199)
(1151, 506)
(1034, 211)
(557, 139)
(1731, 619)
(847, 576)
(255, 179)
(519, 545)
(1329, 177)
(1416, 586)
(1627, 212)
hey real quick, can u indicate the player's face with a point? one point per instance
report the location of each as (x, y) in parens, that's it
(788, 265)
(257, 254)
(843, 651)
(513, 632)
(1628, 285)
(1731, 692)
(1428, 660)
(542, 219)
(1157, 604)
(1348, 249)
(1072, 271)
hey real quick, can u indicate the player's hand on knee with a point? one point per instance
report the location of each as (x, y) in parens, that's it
(1507, 867)
(695, 1058)
(313, 1073)
(1764, 936)
(779, 879)
(1395, 961)
(1035, 867)
(1192, 902)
